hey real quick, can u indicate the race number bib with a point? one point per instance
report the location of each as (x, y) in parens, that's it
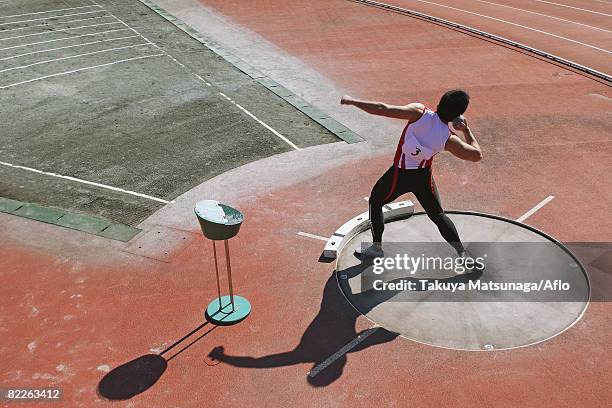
(412, 148)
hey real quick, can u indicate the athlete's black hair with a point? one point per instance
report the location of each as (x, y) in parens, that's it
(452, 104)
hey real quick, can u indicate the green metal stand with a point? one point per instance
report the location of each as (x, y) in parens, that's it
(221, 222)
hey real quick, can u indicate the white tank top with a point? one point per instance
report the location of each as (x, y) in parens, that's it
(421, 140)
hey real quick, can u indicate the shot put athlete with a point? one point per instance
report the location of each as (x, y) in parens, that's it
(426, 134)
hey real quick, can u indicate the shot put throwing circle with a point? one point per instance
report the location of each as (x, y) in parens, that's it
(476, 320)
(220, 222)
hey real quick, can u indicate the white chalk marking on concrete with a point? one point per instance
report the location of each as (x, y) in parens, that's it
(91, 183)
(277, 134)
(57, 31)
(313, 236)
(144, 38)
(203, 80)
(517, 25)
(348, 347)
(289, 142)
(47, 25)
(78, 70)
(534, 209)
(545, 15)
(73, 56)
(50, 11)
(576, 8)
(67, 46)
(62, 39)
(49, 18)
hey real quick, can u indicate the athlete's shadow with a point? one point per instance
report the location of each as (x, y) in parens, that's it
(325, 337)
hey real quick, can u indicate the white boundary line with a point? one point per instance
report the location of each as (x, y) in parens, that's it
(58, 31)
(289, 142)
(49, 18)
(50, 11)
(59, 22)
(605, 98)
(544, 15)
(61, 39)
(78, 70)
(68, 46)
(313, 236)
(344, 350)
(73, 56)
(87, 182)
(516, 24)
(534, 209)
(576, 8)
(262, 123)
(163, 53)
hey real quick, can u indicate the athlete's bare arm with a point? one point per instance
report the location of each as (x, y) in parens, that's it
(410, 112)
(466, 150)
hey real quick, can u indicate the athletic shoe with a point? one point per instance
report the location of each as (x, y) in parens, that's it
(373, 251)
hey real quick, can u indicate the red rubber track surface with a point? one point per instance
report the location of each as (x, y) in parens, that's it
(576, 35)
(544, 130)
(76, 304)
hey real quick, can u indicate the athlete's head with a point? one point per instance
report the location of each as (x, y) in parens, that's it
(452, 104)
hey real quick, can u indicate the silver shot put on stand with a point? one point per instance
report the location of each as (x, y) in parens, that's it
(220, 222)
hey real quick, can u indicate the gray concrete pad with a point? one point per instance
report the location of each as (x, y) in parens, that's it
(469, 318)
(147, 125)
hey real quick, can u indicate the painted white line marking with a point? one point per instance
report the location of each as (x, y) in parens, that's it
(79, 70)
(576, 8)
(57, 31)
(203, 80)
(91, 183)
(596, 95)
(73, 56)
(265, 125)
(534, 209)
(348, 347)
(68, 46)
(50, 11)
(545, 15)
(49, 18)
(313, 236)
(289, 142)
(142, 36)
(61, 39)
(517, 25)
(60, 22)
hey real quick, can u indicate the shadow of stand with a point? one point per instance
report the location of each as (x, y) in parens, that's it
(140, 374)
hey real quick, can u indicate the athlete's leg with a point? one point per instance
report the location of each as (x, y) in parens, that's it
(384, 191)
(426, 192)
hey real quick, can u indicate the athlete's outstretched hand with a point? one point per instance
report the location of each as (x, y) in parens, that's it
(346, 100)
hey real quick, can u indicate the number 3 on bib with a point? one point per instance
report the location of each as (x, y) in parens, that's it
(412, 148)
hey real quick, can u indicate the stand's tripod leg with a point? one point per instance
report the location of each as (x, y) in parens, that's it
(217, 271)
(229, 273)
